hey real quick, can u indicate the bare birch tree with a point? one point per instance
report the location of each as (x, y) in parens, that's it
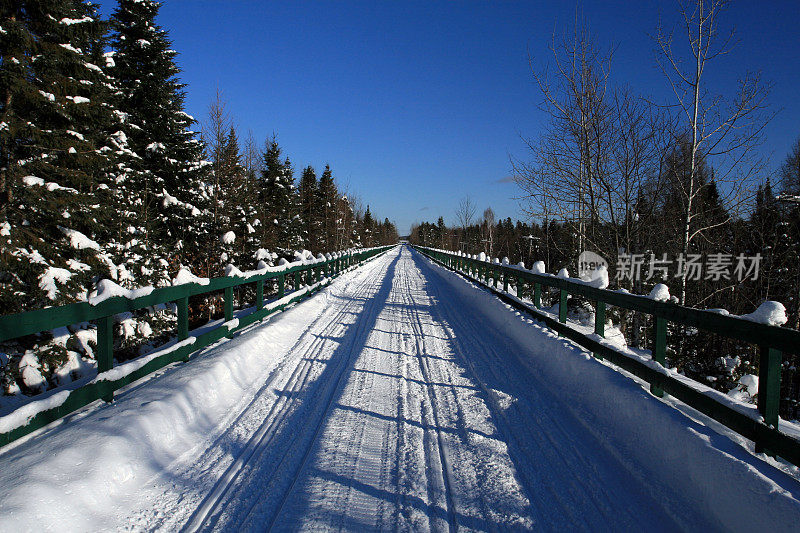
(723, 132)
(571, 156)
(465, 213)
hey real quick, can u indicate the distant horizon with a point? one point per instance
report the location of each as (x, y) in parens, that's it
(416, 105)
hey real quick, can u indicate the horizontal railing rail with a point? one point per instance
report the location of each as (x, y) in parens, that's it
(58, 403)
(772, 341)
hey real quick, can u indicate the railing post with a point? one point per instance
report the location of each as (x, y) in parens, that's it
(562, 306)
(659, 348)
(769, 384)
(259, 294)
(537, 295)
(505, 281)
(183, 318)
(229, 306)
(599, 322)
(105, 348)
(281, 285)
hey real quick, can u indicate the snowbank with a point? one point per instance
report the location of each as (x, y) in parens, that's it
(657, 441)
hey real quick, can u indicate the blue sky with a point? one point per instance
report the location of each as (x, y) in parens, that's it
(417, 104)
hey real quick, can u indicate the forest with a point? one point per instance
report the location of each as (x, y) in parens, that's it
(673, 192)
(104, 176)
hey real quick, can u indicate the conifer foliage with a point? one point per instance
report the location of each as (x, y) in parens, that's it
(102, 178)
(165, 175)
(56, 152)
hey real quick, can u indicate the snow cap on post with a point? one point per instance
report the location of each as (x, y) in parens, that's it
(660, 293)
(770, 313)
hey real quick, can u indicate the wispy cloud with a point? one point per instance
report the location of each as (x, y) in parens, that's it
(505, 179)
(424, 208)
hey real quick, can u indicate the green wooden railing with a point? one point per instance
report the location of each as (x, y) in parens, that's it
(771, 340)
(102, 314)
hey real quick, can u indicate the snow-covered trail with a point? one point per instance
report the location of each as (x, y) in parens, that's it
(400, 398)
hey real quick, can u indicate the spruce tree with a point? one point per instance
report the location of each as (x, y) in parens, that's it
(55, 153)
(59, 144)
(325, 207)
(166, 179)
(281, 228)
(307, 191)
(368, 230)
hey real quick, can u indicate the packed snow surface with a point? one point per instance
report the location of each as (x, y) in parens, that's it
(399, 398)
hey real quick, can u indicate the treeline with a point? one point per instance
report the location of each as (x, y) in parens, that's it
(670, 191)
(766, 241)
(101, 176)
(769, 231)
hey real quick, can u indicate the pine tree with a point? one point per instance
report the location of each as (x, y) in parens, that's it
(167, 173)
(307, 192)
(55, 153)
(281, 230)
(325, 208)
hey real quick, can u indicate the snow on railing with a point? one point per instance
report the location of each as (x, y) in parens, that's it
(109, 300)
(761, 328)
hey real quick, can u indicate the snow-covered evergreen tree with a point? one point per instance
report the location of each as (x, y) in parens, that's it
(166, 178)
(306, 192)
(59, 144)
(55, 153)
(281, 226)
(325, 208)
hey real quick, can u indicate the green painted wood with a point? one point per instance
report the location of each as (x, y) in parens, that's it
(599, 323)
(766, 437)
(259, 294)
(505, 281)
(537, 295)
(183, 318)
(562, 306)
(769, 384)
(281, 285)
(659, 349)
(104, 353)
(228, 303)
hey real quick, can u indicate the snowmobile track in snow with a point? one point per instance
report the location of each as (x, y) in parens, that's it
(206, 515)
(400, 398)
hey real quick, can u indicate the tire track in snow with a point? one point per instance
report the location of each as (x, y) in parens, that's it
(445, 471)
(363, 328)
(555, 441)
(206, 515)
